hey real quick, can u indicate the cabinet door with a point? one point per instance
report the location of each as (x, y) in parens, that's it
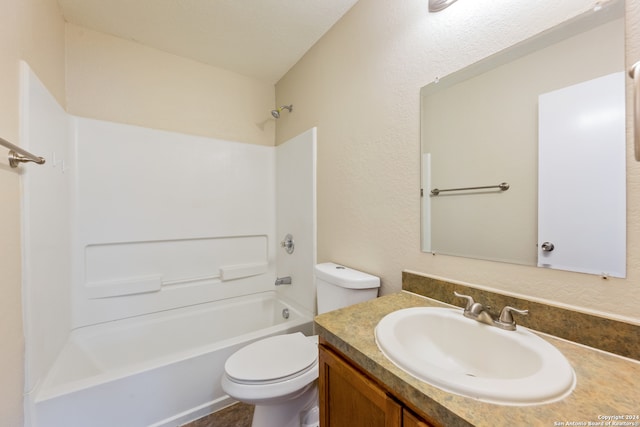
(349, 399)
(409, 419)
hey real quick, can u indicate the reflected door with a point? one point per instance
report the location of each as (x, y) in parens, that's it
(581, 213)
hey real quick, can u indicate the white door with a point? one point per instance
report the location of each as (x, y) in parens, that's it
(582, 146)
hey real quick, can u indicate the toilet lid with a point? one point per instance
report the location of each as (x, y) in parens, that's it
(272, 359)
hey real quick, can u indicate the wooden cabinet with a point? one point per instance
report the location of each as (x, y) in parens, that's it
(409, 419)
(349, 398)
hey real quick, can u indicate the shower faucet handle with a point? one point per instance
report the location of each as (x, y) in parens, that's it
(288, 243)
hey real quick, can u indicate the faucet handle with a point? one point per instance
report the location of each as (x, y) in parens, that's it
(469, 299)
(507, 318)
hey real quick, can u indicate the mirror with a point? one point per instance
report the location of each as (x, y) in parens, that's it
(546, 117)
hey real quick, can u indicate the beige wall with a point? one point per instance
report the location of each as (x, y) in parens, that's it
(32, 30)
(113, 79)
(360, 85)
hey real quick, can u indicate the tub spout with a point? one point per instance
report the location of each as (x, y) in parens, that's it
(283, 280)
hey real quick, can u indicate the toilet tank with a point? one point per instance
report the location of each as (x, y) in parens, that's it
(338, 286)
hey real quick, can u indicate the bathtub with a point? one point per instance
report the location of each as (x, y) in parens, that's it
(162, 369)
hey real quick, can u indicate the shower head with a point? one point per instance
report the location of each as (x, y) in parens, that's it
(276, 113)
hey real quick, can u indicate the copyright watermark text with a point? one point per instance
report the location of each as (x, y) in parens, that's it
(604, 420)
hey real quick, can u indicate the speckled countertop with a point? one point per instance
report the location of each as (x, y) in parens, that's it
(607, 384)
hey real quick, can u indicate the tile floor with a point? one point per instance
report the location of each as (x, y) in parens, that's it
(237, 415)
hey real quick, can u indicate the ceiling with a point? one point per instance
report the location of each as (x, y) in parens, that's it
(257, 38)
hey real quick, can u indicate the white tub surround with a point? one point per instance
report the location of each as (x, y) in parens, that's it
(167, 220)
(47, 215)
(296, 215)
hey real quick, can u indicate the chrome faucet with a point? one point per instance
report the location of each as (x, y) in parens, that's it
(476, 311)
(283, 280)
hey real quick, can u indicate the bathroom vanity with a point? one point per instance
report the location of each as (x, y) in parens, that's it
(349, 397)
(357, 382)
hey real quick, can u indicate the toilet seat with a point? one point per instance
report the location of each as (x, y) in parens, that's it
(272, 369)
(272, 359)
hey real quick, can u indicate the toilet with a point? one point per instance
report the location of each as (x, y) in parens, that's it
(278, 374)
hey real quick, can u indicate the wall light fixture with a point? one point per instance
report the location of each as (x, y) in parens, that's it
(438, 5)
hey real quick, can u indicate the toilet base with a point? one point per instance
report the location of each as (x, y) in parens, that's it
(291, 412)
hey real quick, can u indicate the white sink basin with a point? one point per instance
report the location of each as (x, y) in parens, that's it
(459, 355)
